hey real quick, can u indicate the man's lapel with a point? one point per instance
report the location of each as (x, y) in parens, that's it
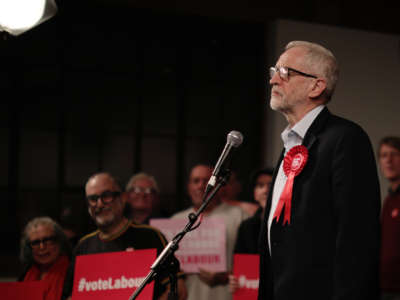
(316, 127)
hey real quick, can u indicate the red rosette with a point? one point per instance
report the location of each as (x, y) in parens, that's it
(295, 160)
(293, 164)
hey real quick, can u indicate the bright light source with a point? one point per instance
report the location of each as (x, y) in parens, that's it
(17, 16)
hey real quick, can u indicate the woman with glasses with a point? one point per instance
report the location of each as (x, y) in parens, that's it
(45, 254)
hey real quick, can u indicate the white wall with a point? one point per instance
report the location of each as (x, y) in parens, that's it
(367, 92)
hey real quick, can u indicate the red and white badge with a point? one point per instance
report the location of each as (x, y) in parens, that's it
(293, 164)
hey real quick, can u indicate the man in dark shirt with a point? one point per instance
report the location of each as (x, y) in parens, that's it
(389, 161)
(115, 232)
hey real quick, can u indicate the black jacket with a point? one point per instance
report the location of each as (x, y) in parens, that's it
(330, 251)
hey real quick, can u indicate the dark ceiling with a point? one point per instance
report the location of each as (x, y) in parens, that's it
(379, 16)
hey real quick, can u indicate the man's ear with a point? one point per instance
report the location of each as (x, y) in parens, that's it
(318, 88)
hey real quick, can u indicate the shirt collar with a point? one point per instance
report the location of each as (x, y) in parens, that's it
(302, 126)
(295, 135)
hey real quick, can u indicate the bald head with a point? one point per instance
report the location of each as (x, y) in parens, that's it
(101, 178)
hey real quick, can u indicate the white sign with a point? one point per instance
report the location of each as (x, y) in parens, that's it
(205, 247)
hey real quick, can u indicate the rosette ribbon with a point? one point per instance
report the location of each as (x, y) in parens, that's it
(293, 164)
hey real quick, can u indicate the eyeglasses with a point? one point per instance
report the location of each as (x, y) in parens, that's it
(262, 185)
(284, 73)
(105, 197)
(140, 190)
(198, 180)
(35, 244)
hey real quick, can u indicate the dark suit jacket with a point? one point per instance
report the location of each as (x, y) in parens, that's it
(248, 232)
(330, 250)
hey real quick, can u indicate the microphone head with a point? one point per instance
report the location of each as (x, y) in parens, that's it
(235, 138)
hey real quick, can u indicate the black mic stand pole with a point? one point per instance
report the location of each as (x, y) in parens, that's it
(164, 261)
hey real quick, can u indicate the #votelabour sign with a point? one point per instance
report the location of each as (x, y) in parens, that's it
(32, 290)
(205, 247)
(246, 270)
(113, 275)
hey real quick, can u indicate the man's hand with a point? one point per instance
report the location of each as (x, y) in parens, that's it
(233, 283)
(182, 291)
(212, 278)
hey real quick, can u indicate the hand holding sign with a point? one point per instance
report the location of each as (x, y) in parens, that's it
(213, 278)
(233, 283)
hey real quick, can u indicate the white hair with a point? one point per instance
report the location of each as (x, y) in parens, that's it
(323, 60)
(140, 176)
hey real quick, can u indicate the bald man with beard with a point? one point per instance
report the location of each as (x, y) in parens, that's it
(115, 232)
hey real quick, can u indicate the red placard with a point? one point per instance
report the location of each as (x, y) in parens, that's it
(246, 269)
(113, 275)
(32, 290)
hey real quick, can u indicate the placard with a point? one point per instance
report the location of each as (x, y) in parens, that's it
(32, 290)
(205, 247)
(113, 275)
(246, 269)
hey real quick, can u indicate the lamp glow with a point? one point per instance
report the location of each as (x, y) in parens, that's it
(17, 16)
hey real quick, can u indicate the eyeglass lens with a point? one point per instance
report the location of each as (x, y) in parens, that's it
(282, 72)
(106, 197)
(139, 190)
(46, 241)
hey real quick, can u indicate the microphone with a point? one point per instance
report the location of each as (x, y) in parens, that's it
(233, 140)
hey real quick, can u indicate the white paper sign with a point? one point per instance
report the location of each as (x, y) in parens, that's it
(205, 247)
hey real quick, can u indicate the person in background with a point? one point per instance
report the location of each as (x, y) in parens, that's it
(115, 232)
(229, 193)
(207, 285)
(389, 162)
(143, 198)
(70, 226)
(45, 255)
(249, 230)
(320, 237)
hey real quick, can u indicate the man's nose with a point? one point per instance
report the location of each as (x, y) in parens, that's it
(203, 184)
(275, 79)
(99, 202)
(388, 158)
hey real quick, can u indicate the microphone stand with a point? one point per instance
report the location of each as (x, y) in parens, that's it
(165, 261)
